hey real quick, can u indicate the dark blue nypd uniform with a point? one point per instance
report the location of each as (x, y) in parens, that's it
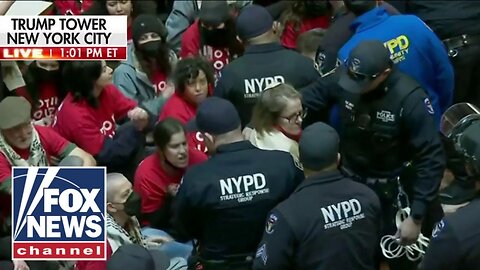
(223, 203)
(455, 241)
(329, 222)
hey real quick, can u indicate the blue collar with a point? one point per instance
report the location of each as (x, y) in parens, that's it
(369, 19)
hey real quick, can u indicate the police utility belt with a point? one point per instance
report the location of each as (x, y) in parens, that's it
(455, 43)
(234, 262)
(368, 180)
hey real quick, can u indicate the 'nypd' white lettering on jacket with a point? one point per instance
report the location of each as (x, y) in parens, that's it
(243, 188)
(254, 86)
(342, 214)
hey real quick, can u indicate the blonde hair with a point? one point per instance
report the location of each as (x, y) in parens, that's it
(270, 105)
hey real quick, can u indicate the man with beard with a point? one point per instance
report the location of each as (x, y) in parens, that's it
(213, 35)
(144, 77)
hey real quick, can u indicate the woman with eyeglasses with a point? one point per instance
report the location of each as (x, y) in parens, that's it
(277, 119)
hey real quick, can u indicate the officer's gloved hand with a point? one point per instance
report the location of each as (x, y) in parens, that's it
(71, 161)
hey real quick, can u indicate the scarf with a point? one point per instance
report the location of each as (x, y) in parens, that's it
(37, 158)
(118, 236)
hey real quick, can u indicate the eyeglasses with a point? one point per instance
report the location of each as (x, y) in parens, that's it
(357, 76)
(294, 117)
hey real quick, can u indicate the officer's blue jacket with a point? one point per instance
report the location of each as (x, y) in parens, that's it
(414, 48)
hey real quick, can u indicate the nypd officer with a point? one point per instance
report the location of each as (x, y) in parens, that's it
(455, 243)
(386, 123)
(265, 61)
(342, 233)
(223, 202)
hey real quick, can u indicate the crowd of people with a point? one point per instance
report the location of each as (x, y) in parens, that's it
(264, 134)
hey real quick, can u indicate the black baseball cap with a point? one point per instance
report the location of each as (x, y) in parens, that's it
(318, 146)
(215, 116)
(366, 61)
(214, 12)
(137, 257)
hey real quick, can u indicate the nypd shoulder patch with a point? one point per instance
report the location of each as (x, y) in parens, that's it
(438, 228)
(271, 222)
(428, 106)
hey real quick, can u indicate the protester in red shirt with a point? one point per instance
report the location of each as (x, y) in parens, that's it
(302, 16)
(88, 116)
(144, 77)
(193, 79)
(158, 176)
(213, 35)
(44, 90)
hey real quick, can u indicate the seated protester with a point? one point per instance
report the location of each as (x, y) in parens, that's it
(88, 116)
(25, 144)
(130, 8)
(323, 239)
(123, 208)
(213, 35)
(158, 176)
(277, 119)
(185, 12)
(308, 42)
(44, 90)
(193, 81)
(302, 16)
(144, 77)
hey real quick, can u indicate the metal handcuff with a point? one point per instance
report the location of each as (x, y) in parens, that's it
(390, 244)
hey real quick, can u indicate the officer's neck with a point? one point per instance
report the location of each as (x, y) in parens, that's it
(233, 137)
(309, 173)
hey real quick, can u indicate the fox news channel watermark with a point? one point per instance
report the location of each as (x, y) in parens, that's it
(63, 38)
(58, 213)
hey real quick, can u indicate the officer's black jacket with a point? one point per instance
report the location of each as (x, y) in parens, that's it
(223, 202)
(448, 18)
(455, 242)
(329, 222)
(243, 80)
(400, 129)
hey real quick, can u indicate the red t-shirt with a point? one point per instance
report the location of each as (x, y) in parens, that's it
(54, 146)
(49, 100)
(95, 265)
(290, 35)
(129, 33)
(151, 180)
(159, 81)
(190, 46)
(178, 108)
(86, 126)
(74, 6)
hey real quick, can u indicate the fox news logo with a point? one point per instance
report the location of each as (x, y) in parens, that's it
(58, 213)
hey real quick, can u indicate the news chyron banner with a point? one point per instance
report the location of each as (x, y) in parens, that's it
(58, 213)
(63, 38)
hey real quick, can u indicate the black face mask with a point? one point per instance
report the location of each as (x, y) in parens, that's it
(44, 75)
(316, 8)
(150, 49)
(133, 205)
(215, 37)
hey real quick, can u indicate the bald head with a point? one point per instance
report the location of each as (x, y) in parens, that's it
(118, 187)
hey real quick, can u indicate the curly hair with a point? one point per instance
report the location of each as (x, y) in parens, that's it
(188, 69)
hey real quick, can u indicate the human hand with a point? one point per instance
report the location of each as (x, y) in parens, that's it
(409, 231)
(169, 90)
(20, 265)
(139, 117)
(158, 240)
(246, 133)
(172, 189)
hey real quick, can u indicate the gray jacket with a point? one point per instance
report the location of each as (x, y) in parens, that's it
(184, 13)
(135, 84)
